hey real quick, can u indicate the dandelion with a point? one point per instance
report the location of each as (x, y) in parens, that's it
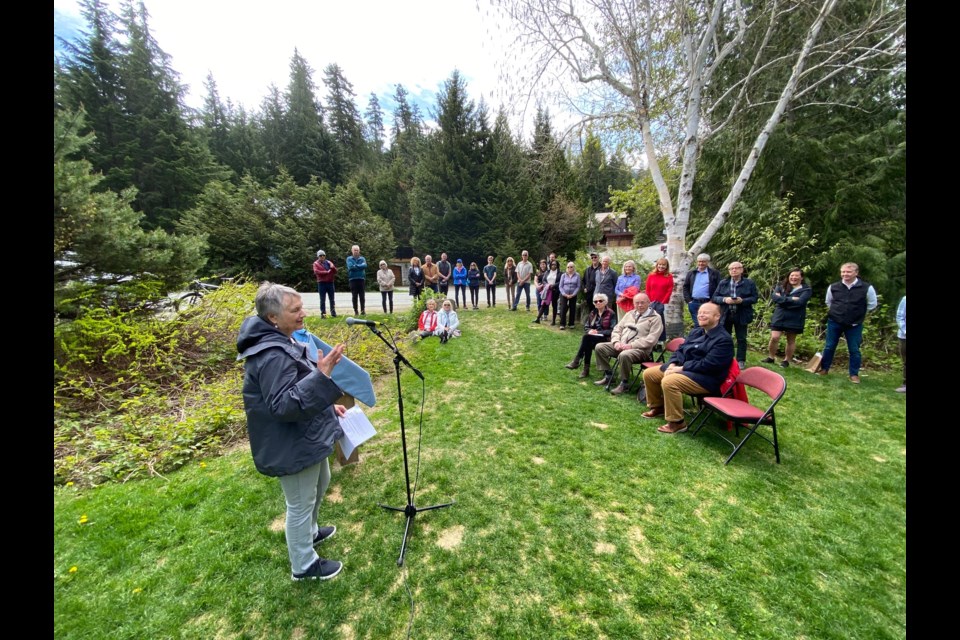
(137, 590)
(70, 483)
(73, 569)
(203, 465)
(83, 519)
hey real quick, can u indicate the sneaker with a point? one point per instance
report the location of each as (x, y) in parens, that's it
(767, 361)
(333, 314)
(321, 569)
(901, 389)
(607, 377)
(742, 365)
(322, 316)
(323, 533)
(563, 327)
(855, 379)
(785, 364)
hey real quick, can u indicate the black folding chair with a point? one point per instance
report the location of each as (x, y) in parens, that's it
(744, 414)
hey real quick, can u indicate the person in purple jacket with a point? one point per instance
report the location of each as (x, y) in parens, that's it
(569, 288)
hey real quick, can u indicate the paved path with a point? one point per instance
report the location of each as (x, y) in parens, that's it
(401, 301)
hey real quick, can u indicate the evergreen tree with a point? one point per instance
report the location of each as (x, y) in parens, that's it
(345, 123)
(308, 148)
(98, 239)
(135, 102)
(591, 171)
(448, 207)
(512, 204)
(374, 132)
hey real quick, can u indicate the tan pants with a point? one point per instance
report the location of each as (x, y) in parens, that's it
(667, 391)
(626, 359)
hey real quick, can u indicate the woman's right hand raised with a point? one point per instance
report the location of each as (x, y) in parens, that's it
(329, 361)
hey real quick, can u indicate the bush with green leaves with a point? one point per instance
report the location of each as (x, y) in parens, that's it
(137, 395)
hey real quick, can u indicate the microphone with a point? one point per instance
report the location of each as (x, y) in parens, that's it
(368, 323)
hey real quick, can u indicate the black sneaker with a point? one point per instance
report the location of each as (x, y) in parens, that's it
(323, 533)
(767, 361)
(785, 364)
(321, 569)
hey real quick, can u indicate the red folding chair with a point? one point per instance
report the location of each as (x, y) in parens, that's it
(741, 412)
(670, 347)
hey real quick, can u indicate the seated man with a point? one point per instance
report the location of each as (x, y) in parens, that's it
(698, 367)
(631, 342)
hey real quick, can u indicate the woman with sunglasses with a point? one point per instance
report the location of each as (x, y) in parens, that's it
(596, 329)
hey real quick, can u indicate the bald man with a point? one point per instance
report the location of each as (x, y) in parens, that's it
(630, 343)
(698, 367)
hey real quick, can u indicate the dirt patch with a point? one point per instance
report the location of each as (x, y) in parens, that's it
(537, 460)
(334, 495)
(879, 459)
(604, 547)
(599, 425)
(278, 524)
(451, 538)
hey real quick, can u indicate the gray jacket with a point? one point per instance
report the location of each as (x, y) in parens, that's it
(288, 401)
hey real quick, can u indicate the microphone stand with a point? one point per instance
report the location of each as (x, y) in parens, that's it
(410, 510)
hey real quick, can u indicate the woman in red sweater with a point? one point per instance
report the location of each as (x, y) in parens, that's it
(659, 289)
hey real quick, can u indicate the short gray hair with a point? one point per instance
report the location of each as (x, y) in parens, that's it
(601, 295)
(703, 256)
(270, 297)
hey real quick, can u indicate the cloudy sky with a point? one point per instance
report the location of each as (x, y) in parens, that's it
(247, 46)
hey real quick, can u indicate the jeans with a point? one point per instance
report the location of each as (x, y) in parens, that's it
(326, 289)
(358, 295)
(522, 288)
(384, 296)
(694, 306)
(853, 336)
(459, 289)
(491, 294)
(474, 295)
(303, 493)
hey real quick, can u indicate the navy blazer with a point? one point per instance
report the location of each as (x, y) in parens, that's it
(743, 312)
(705, 357)
(712, 275)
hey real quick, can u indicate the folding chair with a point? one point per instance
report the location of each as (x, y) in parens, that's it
(671, 346)
(742, 413)
(643, 365)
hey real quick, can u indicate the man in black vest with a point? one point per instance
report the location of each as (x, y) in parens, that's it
(848, 302)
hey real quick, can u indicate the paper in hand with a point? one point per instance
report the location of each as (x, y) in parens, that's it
(356, 430)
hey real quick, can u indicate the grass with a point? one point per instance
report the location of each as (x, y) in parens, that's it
(574, 518)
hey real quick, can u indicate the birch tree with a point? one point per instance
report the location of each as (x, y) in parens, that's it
(661, 70)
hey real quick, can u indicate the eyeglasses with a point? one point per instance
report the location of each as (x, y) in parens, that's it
(598, 300)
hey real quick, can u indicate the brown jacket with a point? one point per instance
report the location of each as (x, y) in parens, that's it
(431, 273)
(640, 333)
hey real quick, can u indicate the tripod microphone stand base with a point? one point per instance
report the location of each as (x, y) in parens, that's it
(411, 512)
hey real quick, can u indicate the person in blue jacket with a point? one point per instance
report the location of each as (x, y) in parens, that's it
(357, 274)
(460, 283)
(292, 419)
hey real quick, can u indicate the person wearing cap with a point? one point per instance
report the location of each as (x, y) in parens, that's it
(385, 280)
(325, 271)
(459, 283)
(589, 283)
(357, 273)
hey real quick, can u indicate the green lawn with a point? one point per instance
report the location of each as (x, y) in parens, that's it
(574, 518)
